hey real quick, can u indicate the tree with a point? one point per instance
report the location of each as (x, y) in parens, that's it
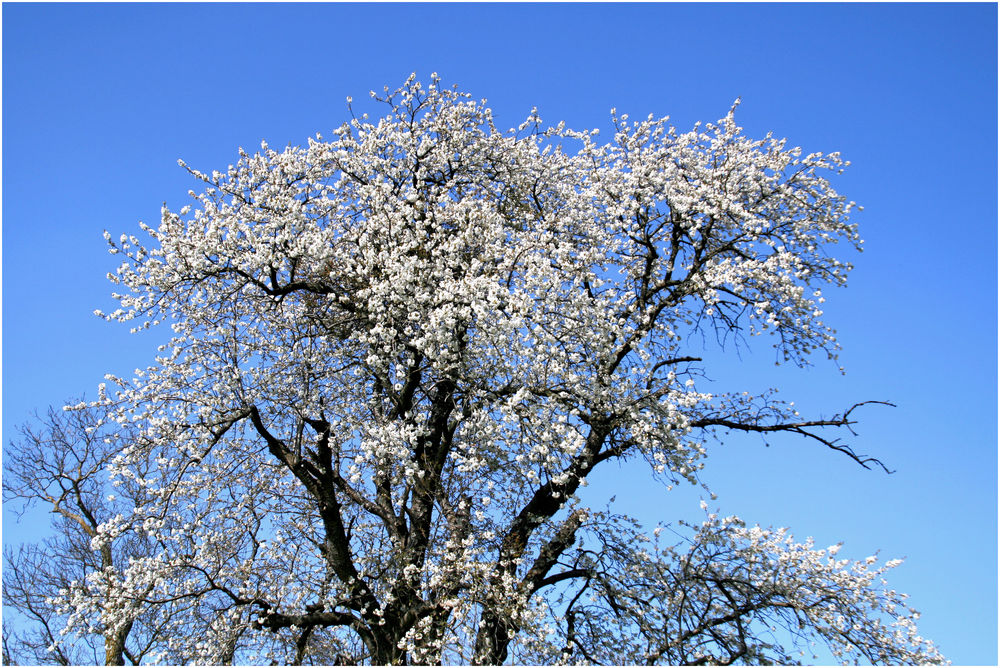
(399, 353)
(60, 461)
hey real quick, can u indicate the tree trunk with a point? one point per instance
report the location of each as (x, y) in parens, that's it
(114, 646)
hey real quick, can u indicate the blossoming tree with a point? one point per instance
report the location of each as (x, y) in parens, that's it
(59, 461)
(399, 352)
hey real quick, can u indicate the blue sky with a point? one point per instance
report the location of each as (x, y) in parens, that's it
(99, 102)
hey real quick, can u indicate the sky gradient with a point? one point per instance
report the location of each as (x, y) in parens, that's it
(99, 102)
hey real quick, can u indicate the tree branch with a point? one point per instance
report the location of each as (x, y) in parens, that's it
(801, 428)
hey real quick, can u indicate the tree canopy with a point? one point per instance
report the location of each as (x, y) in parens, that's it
(398, 353)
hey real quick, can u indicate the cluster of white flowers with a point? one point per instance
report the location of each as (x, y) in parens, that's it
(776, 582)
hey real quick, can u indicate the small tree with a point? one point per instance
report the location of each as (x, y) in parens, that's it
(60, 461)
(399, 353)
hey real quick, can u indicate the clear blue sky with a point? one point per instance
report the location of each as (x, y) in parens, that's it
(99, 102)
